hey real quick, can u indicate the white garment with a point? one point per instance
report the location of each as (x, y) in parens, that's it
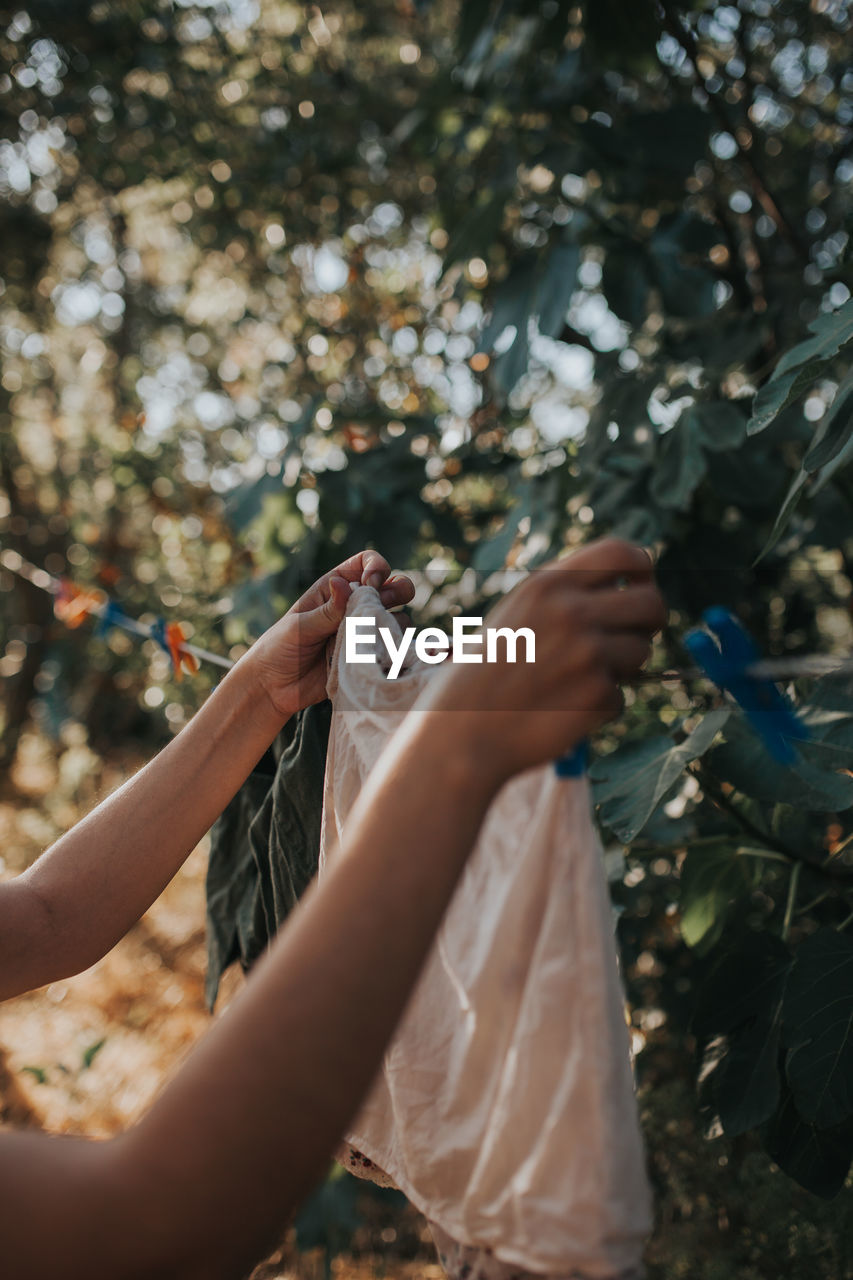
(505, 1106)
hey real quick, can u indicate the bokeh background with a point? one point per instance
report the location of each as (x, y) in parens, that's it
(470, 283)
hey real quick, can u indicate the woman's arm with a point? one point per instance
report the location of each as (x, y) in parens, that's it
(81, 896)
(202, 1185)
(87, 890)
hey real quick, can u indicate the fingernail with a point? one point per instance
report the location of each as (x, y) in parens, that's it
(374, 580)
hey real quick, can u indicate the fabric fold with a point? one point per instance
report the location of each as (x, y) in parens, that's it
(505, 1106)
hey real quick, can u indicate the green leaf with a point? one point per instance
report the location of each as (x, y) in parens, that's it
(92, 1052)
(818, 1023)
(490, 553)
(512, 304)
(811, 783)
(745, 984)
(836, 428)
(789, 506)
(829, 451)
(473, 19)
(474, 234)
(741, 999)
(800, 366)
(39, 1074)
(556, 286)
(719, 424)
(818, 1159)
(711, 877)
(828, 712)
(666, 143)
(681, 466)
(511, 365)
(687, 290)
(539, 289)
(330, 1215)
(629, 783)
(625, 282)
(747, 1083)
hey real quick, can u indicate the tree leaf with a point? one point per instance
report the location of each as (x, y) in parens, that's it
(92, 1052)
(800, 366)
(828, 712)
(535, 288)
(789, 506)
(330, 1215)
(664, 142)
(745, 984)
(625, 282)
(747, 1083)
(818, 1159)
(711, 877)
(681, 466)
(511, 366)
(490, 553)
(812, 783)
(687, 290)
(512, 304)
(556, 286)
(741, 1000)
(837, 428)
(719, 424)
(629, 783)
(818, 1025)
(474, 233)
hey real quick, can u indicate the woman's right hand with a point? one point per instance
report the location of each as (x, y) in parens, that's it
(593, 614)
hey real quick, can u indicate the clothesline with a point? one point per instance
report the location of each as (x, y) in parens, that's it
(73, 604)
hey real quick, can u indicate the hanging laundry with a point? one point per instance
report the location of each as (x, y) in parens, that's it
(265, 846)
(504, 1108)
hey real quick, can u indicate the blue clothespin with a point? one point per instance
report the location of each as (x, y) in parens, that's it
(158, 634)
(574, 764)
(111, 616)
(766, 708)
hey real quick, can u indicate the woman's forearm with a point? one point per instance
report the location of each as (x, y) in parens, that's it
(86, 891)
(268, 1093)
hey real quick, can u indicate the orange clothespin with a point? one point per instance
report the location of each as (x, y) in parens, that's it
(176, 641)
(73, 604)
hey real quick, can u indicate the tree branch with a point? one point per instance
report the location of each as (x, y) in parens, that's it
(841, 875)
(684, 38)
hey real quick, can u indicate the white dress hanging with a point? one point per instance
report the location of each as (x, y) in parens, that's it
(505, 1107)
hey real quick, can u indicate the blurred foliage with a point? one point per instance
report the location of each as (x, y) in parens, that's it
(472, 283)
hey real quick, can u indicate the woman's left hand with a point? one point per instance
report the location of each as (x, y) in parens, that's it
(289, 660)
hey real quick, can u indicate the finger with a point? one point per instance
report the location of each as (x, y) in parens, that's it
(637, 608)
(323, 620)
(374, 570)
(351, 570)
(601, 564)
(396, 591)
(625, 652)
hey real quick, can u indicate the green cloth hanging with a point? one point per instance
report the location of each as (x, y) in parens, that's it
(264, 848)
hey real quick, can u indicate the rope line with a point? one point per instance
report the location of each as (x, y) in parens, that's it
(811, 664)
(104, 609)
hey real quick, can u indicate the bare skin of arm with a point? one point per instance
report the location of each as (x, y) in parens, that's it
(85, 892)
(203, 1184)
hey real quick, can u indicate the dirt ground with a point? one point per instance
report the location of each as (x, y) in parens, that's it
(88, 1054)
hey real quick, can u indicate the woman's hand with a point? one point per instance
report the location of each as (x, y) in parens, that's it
(289, 660)
(593, 615)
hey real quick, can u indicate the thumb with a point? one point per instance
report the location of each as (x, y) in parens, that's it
(324, 621)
